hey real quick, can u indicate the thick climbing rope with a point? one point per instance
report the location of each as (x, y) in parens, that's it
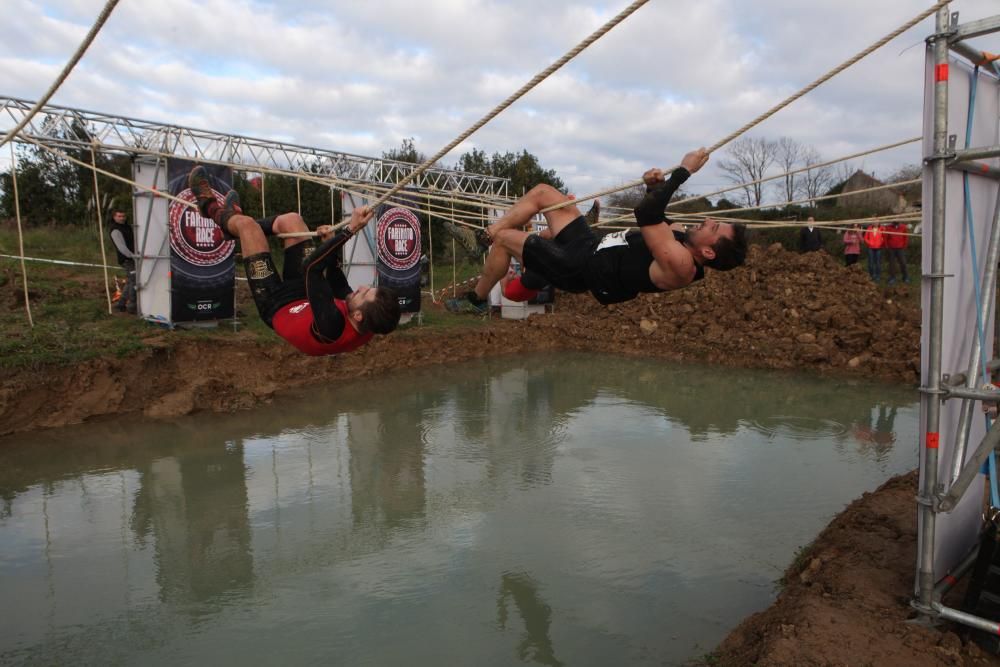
(538, 78)
(781, 105)
(20, 234)
(791, 203)
(98, 24)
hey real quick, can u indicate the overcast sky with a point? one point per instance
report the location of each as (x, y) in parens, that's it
(360, 76)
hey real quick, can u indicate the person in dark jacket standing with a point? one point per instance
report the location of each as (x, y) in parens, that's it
(810, 240)
(124, 242)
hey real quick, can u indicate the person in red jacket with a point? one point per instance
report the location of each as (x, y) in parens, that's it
(311, 304)
(874, 241)
(896, 239)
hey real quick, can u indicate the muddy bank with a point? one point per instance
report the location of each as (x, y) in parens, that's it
(846, 598)
(782, 311)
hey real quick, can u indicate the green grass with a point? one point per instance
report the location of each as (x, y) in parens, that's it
(69, 306)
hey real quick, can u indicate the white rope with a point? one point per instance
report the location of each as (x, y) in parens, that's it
(100, 228)
(20, 234)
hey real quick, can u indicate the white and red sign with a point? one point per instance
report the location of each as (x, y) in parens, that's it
(398, 239)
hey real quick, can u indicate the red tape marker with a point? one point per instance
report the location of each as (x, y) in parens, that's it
(941, 72)
(933, 440)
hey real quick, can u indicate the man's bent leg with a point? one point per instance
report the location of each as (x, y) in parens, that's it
(525, 208)
(288, 223)
(251, 236)
(508, 243)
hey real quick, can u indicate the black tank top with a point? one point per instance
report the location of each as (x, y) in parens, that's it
(618, 270)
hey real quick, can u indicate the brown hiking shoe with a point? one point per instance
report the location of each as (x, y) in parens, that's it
(201, 188)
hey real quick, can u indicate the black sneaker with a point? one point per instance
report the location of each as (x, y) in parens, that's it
(465, 304)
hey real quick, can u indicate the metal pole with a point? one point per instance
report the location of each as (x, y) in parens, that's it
(987, 292)
(980, 153)
(949, 580)
(948, 501)
(931, 398)
(263, 207)
(298, 193)
(966, 619)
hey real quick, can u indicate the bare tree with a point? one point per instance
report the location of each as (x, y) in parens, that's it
(816, 181)
(629, 198)
(748, 159)
(789, 154)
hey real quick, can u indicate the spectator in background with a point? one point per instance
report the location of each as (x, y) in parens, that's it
(810, 240)
(124, 242)
(896, 240)
(852, 245)
(874, 241)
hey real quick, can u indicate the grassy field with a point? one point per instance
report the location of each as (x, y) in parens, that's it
(70, 309)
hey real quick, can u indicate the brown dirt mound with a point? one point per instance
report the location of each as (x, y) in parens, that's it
(846, 599)
(783, 310)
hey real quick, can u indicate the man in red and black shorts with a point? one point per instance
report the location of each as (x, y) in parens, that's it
(310, 305)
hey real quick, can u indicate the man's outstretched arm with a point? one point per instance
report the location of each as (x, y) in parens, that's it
(325, 281)
(672, 259)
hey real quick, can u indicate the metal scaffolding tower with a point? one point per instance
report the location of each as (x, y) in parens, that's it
(957, 300)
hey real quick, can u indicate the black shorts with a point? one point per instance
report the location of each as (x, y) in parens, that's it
(562, 260)
(271, 294)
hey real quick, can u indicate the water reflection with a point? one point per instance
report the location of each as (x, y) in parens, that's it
(394, 500)
(535, 614)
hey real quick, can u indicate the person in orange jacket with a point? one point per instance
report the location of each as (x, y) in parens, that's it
(874, 241)
(896, 239)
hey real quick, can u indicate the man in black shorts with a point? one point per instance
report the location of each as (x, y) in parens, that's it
(311, 305)
(656, 258)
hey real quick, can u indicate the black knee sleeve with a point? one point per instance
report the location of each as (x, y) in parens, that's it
(262, 278)
(267, 224)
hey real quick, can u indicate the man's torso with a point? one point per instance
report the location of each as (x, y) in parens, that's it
(618, 269)
(294, 323)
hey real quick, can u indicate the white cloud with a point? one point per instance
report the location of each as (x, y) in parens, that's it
(360, 77)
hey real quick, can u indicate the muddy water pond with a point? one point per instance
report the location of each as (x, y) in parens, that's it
(554, 510)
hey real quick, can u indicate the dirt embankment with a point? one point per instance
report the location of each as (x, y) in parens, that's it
(783, 310)
(846, 599)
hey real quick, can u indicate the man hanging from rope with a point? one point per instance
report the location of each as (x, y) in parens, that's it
(311, 305)
(656, 258)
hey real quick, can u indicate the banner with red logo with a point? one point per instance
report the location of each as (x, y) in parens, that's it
(397, 241)
(202, 263)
